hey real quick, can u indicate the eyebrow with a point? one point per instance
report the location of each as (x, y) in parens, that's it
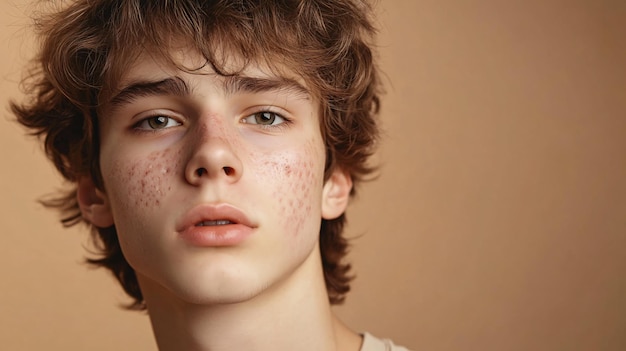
(238, 84)
(171, 86)
(176, 86)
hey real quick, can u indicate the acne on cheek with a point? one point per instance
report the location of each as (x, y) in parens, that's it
(145, 182)
(299, 208)
(296, 178)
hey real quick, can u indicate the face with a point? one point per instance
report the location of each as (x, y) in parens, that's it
(215, 185)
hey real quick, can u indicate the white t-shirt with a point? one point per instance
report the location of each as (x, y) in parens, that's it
(372, 343)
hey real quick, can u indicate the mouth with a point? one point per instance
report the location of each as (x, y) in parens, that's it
(215, 223)
(214, 215)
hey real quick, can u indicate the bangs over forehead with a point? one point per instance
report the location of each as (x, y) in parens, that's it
(283, 36)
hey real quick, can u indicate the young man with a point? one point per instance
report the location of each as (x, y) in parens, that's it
(213, 147)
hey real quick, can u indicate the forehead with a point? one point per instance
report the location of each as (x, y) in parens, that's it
(231, 70)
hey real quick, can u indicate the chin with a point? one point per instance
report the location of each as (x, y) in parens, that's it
(210, 287)
(222, 292)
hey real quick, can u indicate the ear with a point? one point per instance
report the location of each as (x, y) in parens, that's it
(336, 194)
(93, 203)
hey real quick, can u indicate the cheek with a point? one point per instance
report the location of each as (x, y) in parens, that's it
(143, 183)
(297, 178)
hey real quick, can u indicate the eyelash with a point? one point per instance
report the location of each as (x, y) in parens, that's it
(138, 126)
(284, 124)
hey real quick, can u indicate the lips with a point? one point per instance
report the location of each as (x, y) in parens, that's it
(215, 225)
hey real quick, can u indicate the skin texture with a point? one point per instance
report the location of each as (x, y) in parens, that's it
(264, 292)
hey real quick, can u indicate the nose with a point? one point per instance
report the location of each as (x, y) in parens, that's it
(213, 157)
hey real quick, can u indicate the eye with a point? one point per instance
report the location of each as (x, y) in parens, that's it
(266, 118)
(157, 122)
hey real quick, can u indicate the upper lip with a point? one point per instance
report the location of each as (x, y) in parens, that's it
(213, 212)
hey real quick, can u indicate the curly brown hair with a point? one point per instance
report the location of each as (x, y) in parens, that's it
(86, 45)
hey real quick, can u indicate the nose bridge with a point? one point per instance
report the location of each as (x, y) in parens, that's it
(210, 127)
(213, 152)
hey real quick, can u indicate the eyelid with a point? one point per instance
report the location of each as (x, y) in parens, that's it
(267, 108)
(272, 109)
(143, 117)
(158, 112)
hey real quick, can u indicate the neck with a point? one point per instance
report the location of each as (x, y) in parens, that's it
(292, 315)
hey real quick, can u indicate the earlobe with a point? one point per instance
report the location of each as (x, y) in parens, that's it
(93, 203)
(336, 194)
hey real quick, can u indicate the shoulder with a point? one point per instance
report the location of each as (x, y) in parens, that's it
(372, 343)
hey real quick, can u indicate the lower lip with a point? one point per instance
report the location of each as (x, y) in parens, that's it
(216, 236)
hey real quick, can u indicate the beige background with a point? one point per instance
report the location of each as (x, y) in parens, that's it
(499, 221)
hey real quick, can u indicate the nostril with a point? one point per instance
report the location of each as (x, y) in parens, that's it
(200, 172)
(229, 171)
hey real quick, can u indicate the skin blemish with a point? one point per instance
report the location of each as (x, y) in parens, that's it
(297, 173)
(148, 180)
(294, 171)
